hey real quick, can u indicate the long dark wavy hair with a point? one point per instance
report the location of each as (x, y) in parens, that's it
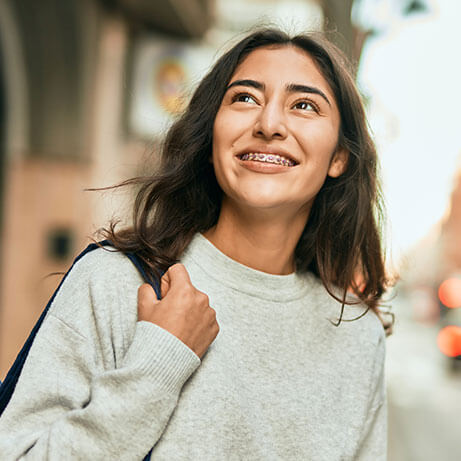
(341, 241)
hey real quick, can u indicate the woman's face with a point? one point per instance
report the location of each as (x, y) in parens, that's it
(276, 131)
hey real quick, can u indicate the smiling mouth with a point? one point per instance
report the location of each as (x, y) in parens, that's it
(275, 159)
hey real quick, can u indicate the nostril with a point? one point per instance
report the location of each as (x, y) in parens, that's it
(267, 135)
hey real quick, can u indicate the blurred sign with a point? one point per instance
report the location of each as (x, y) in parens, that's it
(164, 74)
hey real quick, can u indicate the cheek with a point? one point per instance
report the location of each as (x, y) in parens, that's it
(218, 160)
(319, 143)
(218, 148)
(224, 137)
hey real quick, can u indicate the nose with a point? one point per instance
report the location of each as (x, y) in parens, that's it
(271, 122)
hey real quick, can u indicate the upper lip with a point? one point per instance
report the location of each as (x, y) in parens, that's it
(269, 150)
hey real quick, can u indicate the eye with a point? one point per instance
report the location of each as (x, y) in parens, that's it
(308, 106)
(243, 97)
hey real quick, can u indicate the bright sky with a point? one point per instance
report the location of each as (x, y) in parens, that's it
(412, 74)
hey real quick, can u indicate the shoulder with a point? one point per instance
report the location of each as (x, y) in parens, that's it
(100, 287)
(356, 345)
(106, 264)
(360, 327)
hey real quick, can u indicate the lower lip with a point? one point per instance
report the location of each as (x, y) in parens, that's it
(263, 167)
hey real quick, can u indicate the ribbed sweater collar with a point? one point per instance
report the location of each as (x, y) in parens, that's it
(229, 272)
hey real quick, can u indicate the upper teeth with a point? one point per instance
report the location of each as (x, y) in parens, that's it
(268, 158)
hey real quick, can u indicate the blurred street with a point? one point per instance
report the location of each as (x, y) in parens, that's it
(424, 394)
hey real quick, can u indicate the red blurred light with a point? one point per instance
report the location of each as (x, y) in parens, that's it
(450, 292)
(449, 340)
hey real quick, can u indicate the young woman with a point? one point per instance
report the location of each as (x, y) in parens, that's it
(267, 195)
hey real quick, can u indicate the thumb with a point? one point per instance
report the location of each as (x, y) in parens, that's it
(165, 283)
(177, 276)
(146, 300)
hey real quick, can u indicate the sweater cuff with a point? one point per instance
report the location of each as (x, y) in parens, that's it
(162, 356)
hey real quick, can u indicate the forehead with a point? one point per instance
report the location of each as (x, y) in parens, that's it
(281, 65)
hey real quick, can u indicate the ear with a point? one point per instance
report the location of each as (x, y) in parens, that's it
(338, 163)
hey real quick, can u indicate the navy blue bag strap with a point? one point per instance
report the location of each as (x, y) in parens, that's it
(9, 384)
(152, 282)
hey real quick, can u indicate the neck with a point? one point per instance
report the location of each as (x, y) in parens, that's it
(264, 241)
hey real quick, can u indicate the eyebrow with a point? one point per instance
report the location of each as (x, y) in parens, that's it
(296, 88)
(252, 83)
(290, 88)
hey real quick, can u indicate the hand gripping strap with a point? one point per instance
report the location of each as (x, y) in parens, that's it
(9, 384)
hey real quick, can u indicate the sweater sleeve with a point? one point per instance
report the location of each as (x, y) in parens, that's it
(373, 444)
(75, 400)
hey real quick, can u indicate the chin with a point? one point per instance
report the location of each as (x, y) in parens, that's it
(263, 202)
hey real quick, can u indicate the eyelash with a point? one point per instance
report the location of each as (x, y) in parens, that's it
(235, 98)
(309, 102)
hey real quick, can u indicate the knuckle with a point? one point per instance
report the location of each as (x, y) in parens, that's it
(185, 290)
(188, 292)
(178, 268)
(203, 298)
(143, 293)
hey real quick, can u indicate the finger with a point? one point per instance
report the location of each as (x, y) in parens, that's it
(178, 276)
(146, 300)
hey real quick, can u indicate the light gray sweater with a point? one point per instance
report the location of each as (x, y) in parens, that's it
(279, 382)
